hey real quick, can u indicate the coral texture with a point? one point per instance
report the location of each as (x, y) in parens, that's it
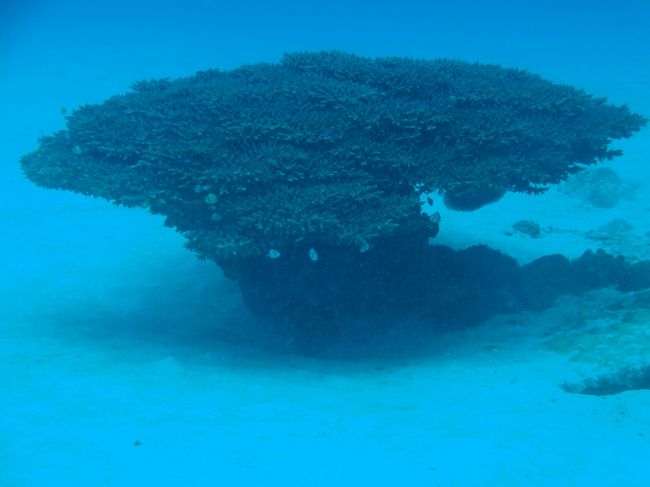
(326, 148)
(303, 180)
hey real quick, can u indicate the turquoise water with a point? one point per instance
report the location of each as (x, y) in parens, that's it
(124, 360)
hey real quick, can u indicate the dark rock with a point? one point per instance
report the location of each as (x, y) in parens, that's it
(636, 277)
(617, 230)
(601, 187)
(626, 379)
(544, 279)
(595, 270)
(528, 227)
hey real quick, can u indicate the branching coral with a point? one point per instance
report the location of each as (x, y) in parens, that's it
(327, 147)
(325, 151)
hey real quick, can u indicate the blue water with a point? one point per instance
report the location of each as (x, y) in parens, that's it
(126, 361)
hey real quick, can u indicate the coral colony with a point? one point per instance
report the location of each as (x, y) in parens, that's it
(304, 180)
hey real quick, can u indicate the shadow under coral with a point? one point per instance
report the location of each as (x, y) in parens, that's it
(394, 303)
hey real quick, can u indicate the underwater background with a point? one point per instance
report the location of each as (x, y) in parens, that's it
(125, 360)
